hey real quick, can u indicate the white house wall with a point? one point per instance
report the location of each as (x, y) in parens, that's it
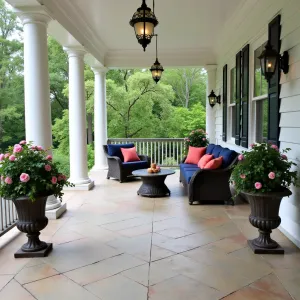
(253, 30)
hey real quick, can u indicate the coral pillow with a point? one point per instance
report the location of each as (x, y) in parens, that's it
(214, 163)
(194, 154)
(204, 160)
(130, 154)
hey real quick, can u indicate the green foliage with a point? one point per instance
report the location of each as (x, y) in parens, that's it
(63, 162)
(196, 138)
(27, 170)
(263, 169)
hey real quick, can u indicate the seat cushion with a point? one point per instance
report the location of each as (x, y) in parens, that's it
(216, 151)
(129, 154)
(187, 166)
(214, 164)
(194, 154)
(228, 157)
(204, 160)
(115, 150)
(135, 165)
(210, 148)
(188, 174)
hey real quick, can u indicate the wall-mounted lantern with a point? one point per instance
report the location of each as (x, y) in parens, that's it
(213, 99)
(269, 59)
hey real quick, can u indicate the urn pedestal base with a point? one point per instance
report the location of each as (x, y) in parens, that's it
(42, 253)
(258, 250)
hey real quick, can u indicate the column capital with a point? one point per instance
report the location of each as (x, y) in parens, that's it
(209, 68)
(75, 51)
(99, 70)
(34, 15)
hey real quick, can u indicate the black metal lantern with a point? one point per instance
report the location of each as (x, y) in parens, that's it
(156, 69)
(269, 59)
(143, 21)
(213, 99)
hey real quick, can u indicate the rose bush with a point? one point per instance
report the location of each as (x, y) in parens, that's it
(197, 138)
(263, 169)
(28, 170)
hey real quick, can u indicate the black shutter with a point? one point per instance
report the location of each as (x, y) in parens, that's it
(238, 98)
(224, 136)
(245, 96)
(274, 85)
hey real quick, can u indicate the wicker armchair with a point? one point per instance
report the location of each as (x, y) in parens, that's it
(120, 170)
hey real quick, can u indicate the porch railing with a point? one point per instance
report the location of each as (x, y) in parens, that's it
(164, 152)
(8, 216)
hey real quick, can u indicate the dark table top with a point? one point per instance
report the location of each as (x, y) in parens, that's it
(144, 173)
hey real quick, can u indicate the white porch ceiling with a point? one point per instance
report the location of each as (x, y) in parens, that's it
(188, 30)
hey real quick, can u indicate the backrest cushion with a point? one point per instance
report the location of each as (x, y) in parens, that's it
(130, 154)
(228, 157)
(210, 148)
(216, 151)
(204, 160)
(194, 154)
(214, 164)
(115, 150)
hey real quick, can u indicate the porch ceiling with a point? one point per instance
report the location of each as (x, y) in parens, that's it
(188, 30)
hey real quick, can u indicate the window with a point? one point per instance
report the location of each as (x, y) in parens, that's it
(232, 99)
(260, 94)
(260, 83)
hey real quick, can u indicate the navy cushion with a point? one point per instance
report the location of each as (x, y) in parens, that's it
(135, 165)
(210, 148)
(228, 157)
(115, 150)
(183, 166)
(217, 150)
(188, 174)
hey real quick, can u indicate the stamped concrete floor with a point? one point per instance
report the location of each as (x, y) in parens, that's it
(114, 245)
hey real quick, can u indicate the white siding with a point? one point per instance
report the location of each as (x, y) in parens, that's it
(252, 28)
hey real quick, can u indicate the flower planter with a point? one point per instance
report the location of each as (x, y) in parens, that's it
(31, 220)
(265, 216)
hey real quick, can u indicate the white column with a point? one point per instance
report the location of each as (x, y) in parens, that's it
(100, 118)
(37, 87)
(77, 120)
(210, 112)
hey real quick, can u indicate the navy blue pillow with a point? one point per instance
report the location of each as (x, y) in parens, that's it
(228, 157)
(115, 150)
(216, 151)
(210, 148)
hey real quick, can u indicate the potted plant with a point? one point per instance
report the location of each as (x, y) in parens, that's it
(28, 177)
(263, 176)
(196, 138)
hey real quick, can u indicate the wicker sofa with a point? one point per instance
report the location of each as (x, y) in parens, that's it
(209, 186)
(119, 169)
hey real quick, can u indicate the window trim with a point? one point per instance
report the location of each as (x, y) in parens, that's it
(262, 97)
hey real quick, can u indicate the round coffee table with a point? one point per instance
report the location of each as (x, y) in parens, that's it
(153, 183)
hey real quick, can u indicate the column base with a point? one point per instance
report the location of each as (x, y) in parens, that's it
(81, 187)
(52, 203)
(56, 213)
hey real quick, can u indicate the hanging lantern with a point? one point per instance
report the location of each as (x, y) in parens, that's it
(156, 69)
(143, 21)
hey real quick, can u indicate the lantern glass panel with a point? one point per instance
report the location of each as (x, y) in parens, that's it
(140, 29)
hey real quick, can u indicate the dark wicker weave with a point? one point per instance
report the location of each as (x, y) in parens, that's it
(116, 169)
(209, 186)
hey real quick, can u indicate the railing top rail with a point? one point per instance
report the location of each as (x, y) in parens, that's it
(146, 139)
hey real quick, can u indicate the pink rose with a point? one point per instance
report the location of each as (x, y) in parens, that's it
(258, 185)
(60, 177)
(48, 168)
(188, 140)
(33, 147)
(24, 177)
(54, 180)
(23, 142)
(40, 148)
(241, 157)
(252, 145)
(203, 139)
(275, 147)
(283, 156)
(1, 156)
(49, 157)
(7, 155)
(12, 158)
(271, 175)
(243, 176)
(17, 148)
(8, 180)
